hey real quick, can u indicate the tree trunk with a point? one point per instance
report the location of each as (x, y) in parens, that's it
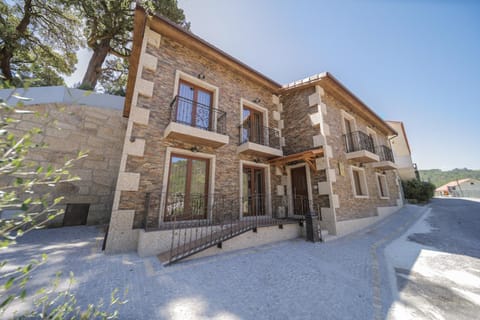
(5, 57)
(94, 69)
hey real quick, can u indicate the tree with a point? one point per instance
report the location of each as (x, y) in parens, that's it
(108, 29)
(418, 191)
(38, 41)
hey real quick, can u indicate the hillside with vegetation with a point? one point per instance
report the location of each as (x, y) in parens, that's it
(439, 177)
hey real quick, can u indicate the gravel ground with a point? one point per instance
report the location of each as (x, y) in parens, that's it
(437, 263)
(346, 278)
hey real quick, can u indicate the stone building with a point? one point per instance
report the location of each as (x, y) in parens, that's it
(212, 144)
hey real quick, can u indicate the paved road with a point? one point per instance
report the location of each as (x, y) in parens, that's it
(437, 263)
(343, 279)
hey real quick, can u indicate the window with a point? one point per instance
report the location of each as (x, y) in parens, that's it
(359, 182)
(187, 195)
(349, 126)
(253, 122)
(373, 135)
(382, 186)
(252, 125)
(194, 106)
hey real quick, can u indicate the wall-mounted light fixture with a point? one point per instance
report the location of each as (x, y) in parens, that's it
(201, 76)
(194, 149)
(134, 138)
(257, 100)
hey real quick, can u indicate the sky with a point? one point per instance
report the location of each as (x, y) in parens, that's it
(416, 61)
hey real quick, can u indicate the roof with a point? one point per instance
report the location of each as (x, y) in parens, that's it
(453, 183)
(190, 40)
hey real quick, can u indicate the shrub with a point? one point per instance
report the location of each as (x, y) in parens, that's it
(419, 191)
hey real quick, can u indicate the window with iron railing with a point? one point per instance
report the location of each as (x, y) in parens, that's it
(197, 115)
(385, 153)
(357, 141)
(257, 133)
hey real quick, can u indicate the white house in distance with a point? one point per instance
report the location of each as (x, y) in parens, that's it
(468, 188)
(407, 170)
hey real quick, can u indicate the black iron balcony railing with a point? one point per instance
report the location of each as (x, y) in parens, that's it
(357, 141)
(259, 134)
(385, 153)
(197, 115)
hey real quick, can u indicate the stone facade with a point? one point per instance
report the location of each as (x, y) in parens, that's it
(306, 118)
(299, 132)
(68, 129)
(175, 59)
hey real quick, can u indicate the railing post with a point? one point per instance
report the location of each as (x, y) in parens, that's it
(311, 221)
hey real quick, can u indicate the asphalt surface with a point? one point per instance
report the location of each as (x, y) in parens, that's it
(438, 270)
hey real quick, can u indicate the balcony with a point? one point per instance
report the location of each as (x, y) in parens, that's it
(359, 147)
(259, 140)
(196, 123)
(387, 161)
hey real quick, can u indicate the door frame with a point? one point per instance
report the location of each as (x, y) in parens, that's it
(289, 187)
(188, 179)
(195, 104)
(268, 198)
(166, 174)
(185, 77)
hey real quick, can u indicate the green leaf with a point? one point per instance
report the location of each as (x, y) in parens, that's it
(7, 301)
(58, 200)
(9, 283)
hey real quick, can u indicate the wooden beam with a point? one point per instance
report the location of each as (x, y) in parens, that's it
(308, 157)
(311, 164)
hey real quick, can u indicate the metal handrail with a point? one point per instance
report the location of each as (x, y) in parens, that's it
(385, 153)
(198, 221)
(198, 115)
(357, 141)
(259, 134)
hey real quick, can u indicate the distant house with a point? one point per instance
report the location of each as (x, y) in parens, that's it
(469, 188)
(407, 170)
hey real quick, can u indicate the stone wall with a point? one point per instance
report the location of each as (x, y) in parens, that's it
(68, 129)
(349, 206)
(331, 183)
(150, 165)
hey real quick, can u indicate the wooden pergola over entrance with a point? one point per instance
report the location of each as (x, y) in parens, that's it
(307, 156)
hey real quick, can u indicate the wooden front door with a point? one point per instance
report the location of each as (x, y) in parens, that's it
(253, 202)
(300, 190)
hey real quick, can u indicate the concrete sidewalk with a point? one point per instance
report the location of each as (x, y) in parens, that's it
(342, 279)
